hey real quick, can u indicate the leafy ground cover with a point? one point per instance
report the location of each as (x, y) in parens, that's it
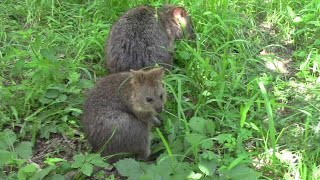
(243, 99)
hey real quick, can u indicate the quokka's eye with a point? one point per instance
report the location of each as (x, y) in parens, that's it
(149, 99)
(161, 96)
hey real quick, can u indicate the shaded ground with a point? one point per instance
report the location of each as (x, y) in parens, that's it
(57, 146)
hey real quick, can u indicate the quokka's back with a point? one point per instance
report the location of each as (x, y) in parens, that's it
(144, 36)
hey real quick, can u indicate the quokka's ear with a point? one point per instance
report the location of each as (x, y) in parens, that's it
(180, 16)
(179, 12)
(156, 73)
(138, 77)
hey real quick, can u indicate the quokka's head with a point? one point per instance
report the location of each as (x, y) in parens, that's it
(177, 22)
(148, 95)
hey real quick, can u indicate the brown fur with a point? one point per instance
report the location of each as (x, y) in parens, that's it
(144, 36)
(126, 104)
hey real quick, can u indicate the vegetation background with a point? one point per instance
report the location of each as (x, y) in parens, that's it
(243, 98)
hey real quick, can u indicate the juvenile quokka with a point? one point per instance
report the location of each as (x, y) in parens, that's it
(145, 36)
(125, 104)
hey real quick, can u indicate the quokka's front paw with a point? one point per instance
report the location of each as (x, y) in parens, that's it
(156, 121)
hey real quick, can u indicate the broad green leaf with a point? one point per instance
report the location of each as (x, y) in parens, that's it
(62, 97)
(198, 124)
(21, 175)
(181, 170)
(177, 145)
(27, 171)
(57, 177)
(222, 138)
(7, 157)
(301, 53)
(47, 129)
(156, 172)
(210, 127)
(184, 55)
(43, 172)
(167, 168)
(48, 54)
(24, 150)
(7, 139)
(85, 84)
(207, 144)
(52, 93)
(3, 145)
(240, 172)
(97, 160)
(129, 168)
(195, 139)
(165, 164)
(65, 166)
(44, 100)
(208, 167)
(53, 161)
(149, 176)
(20, 64)
(78, 161)
(194, 175)
(209, 155)
(87, 169)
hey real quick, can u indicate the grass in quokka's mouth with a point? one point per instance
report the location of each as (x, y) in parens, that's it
(243, 98)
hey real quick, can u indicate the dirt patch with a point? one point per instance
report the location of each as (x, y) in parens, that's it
(278, 53)
(58, 146)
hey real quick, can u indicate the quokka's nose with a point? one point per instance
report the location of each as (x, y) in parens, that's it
(159, 109)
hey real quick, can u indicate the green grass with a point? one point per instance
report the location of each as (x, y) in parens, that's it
(243, 100)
